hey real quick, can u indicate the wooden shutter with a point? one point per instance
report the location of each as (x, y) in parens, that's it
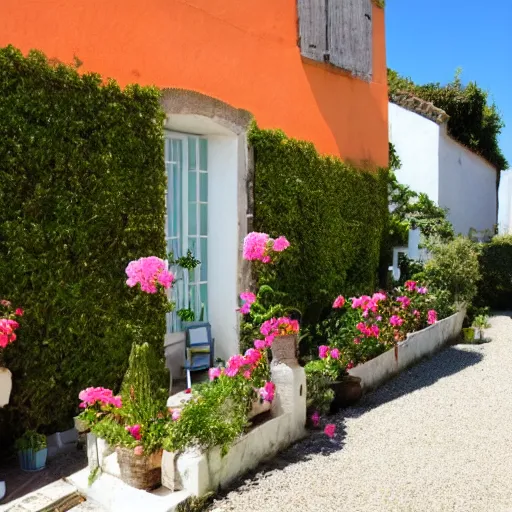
(312, 28)
(349, 36)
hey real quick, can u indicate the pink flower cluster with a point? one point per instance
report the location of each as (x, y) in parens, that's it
(339, 302)
(134, 431)
(324, 352)
(260, 247)
(149, 272)
(244, 364)
(411, 285)
(431, 317)
(249, 299)
(396, 321)
(267, 391)
(368, 330)
(277, 327)
(7, 331)
(405, 301)
(367, 303)
(103, 396)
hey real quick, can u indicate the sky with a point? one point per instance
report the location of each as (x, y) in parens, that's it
(428, 40)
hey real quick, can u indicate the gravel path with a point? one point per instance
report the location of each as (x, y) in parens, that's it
(437, 438)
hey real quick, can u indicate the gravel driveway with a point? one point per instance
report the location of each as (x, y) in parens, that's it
(437, 438)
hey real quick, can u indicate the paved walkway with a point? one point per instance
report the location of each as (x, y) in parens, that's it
(437, 438)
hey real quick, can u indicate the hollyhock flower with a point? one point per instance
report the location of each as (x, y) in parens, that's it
(19, 312)
(214, 373)
(259, 344)
(280, 244)
(406, 302)
(323, 351)
(315, 419)
(423, 290)
(267, 391)
(134, 431)
(431, 317)
(410, 285)
(350, 365)
(176, 414)
(255, 246)
(335, 353)
(138, 450)
(330, 430)
(339, 302)
(396, 321)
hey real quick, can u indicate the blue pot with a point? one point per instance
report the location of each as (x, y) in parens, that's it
(31, 460)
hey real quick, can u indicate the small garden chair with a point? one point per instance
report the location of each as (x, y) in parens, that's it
(198, 348)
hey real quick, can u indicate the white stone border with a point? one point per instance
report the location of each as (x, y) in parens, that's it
(418, 345)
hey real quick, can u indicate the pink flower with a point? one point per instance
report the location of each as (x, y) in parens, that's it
(406, 302)
(267, 391)
(214, 373)
(396, 321)
(148, 272)
(247, 374)
(269, 340)
(259, 344)
(249, 299)
(103, 396)
(431, 317)
(315, 419)
(252, 356)
(330, 430)
(176, 414)
(323, 351)
(7, 334)
(339, 302)
(410, 285)
(255, 246)
(134, 431)
(268, 327)
(357, 341)
(416, 313)
(19, 312)
(423, 290)
(5, 303)
(280, 244)
(350, 365)
(379, 296)
(138, 450)
(245, 309)
(335, 353)
(379, 318)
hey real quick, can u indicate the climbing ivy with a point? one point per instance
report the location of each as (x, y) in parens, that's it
(474, 121)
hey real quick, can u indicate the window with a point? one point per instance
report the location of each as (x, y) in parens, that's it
(338, 32)
(186, 224)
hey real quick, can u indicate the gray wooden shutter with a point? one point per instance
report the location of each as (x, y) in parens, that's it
(312, 28)
(349, 35)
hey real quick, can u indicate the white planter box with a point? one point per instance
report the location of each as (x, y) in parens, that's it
(5, 386)
(418, 345)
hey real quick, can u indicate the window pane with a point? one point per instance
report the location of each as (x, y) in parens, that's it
(192, 245)
(175, 152)
(192, 219)
(204, 301)
(191, 153)
(192, 297)
(203, 154)
(192, 186)
(192, 278)
(167, 149)
(203, 187)
(176, 201)
(204, 219)
(204, 259)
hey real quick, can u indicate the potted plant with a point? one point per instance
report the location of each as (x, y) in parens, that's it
(32, 451)
(469, 334)
(281, 335)
(480, 323)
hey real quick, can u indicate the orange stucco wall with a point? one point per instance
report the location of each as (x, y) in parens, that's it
(243, 52)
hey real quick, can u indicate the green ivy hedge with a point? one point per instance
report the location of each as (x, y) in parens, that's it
(333, 215)
(495, 287)
(82, 185)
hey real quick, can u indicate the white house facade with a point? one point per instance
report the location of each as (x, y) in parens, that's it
(505, 203)
(435, 164)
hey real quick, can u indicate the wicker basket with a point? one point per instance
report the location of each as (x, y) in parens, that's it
(140, 471)
(284, 349)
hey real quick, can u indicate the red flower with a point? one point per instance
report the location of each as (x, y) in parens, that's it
(188, 391)
(19, 312)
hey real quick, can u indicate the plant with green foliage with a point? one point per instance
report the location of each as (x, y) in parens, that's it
(82, 187)
(319, 393)
(481, 322)
(333, 215)
(474, 121)
(454, 270)
(495, 287)
(31, 440)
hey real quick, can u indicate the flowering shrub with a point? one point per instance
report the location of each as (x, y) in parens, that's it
(149, 273)
(260, 247)
(8, 324)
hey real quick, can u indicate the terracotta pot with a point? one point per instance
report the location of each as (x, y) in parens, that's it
(284, 349)
(140, 471)
(5, 386)
(347, 392)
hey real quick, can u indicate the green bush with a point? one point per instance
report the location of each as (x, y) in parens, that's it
(454, 270)
(495, 288)
(82, 185)
(333, 215)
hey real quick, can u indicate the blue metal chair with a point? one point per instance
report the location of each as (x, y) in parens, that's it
(198, 348)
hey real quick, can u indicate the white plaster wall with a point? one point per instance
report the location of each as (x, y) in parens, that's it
(467, 187)
(416, 140)
(223, 242)
(505, 203)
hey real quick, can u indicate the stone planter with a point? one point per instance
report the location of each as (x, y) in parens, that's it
(140, 471)
(80, 426)
(170, 476)
(347, 392)
(259, 406)
(5, 386)
(284, 349)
